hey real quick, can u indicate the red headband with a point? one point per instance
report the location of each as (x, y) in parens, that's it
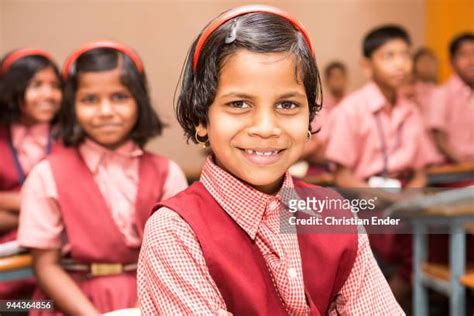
(101, 44)
(20, 53)
(228, 15)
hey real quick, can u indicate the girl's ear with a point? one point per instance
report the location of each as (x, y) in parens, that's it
(201, 130)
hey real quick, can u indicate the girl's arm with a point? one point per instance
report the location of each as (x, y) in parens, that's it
(8, 220)
(58, 285)
(10, 200)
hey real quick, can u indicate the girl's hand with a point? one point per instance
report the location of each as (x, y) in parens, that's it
(58, 284)
(222, 312)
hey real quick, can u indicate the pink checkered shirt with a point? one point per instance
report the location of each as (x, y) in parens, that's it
(173, 277)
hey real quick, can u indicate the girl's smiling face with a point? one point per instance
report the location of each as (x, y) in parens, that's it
(105, 108)
(42, 97)
(258, 122)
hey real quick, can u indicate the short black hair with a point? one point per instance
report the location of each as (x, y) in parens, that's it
(457, 41)
(381, 35)
(148, 123)
(334, 65)
(15, 81)
(423, 51)
(259, 32)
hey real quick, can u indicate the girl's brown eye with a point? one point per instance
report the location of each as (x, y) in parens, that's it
(120, 96)
(287, 105)
(238, 104)
(89, 99)
(35, 84)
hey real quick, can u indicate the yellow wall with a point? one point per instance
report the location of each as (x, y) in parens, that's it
(444, 19)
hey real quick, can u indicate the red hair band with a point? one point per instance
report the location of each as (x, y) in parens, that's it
(242, 10)
(20, 53)
(101, 44)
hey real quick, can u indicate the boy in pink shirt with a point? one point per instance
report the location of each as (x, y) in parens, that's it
(378, 137)
(452, 117)
(376, 132)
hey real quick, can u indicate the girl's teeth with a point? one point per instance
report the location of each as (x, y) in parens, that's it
(262, 153)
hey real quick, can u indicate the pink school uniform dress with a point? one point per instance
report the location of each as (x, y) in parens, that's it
(218, 245)
(93, 203)
(21, 148)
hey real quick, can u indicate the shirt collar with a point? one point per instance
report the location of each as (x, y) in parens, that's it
(94, 154)
(459, 85)
(244, 204)
(38, 132)
(377, 101)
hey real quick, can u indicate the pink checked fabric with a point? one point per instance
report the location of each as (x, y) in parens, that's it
(173, 277)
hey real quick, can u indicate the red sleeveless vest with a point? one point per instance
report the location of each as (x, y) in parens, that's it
(90, 228)
(239, 269)
(8, 175)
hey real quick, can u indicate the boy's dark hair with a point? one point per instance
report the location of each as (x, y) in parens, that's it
(257, 32)
(15, 81)
(334, 65)
(457, 41)
(422, 51)
(381, 35)
(148, 123)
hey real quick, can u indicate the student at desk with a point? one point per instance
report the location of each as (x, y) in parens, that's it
(378, 139)
(452, 116)
(30, 97)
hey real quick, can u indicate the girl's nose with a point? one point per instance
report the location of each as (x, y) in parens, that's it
(105, 107)
(264, 124)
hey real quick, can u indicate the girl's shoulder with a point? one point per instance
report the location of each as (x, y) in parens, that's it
(41, 179)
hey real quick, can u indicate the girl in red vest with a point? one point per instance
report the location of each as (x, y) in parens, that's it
(249, 90)
(30, 96)
(85, 207)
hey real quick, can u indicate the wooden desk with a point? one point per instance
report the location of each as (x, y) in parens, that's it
(446, 174)
(455, 218)
(16, 267)
(437, 175)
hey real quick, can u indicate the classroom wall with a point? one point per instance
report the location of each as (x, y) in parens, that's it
(1, 26)
(161, 31)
